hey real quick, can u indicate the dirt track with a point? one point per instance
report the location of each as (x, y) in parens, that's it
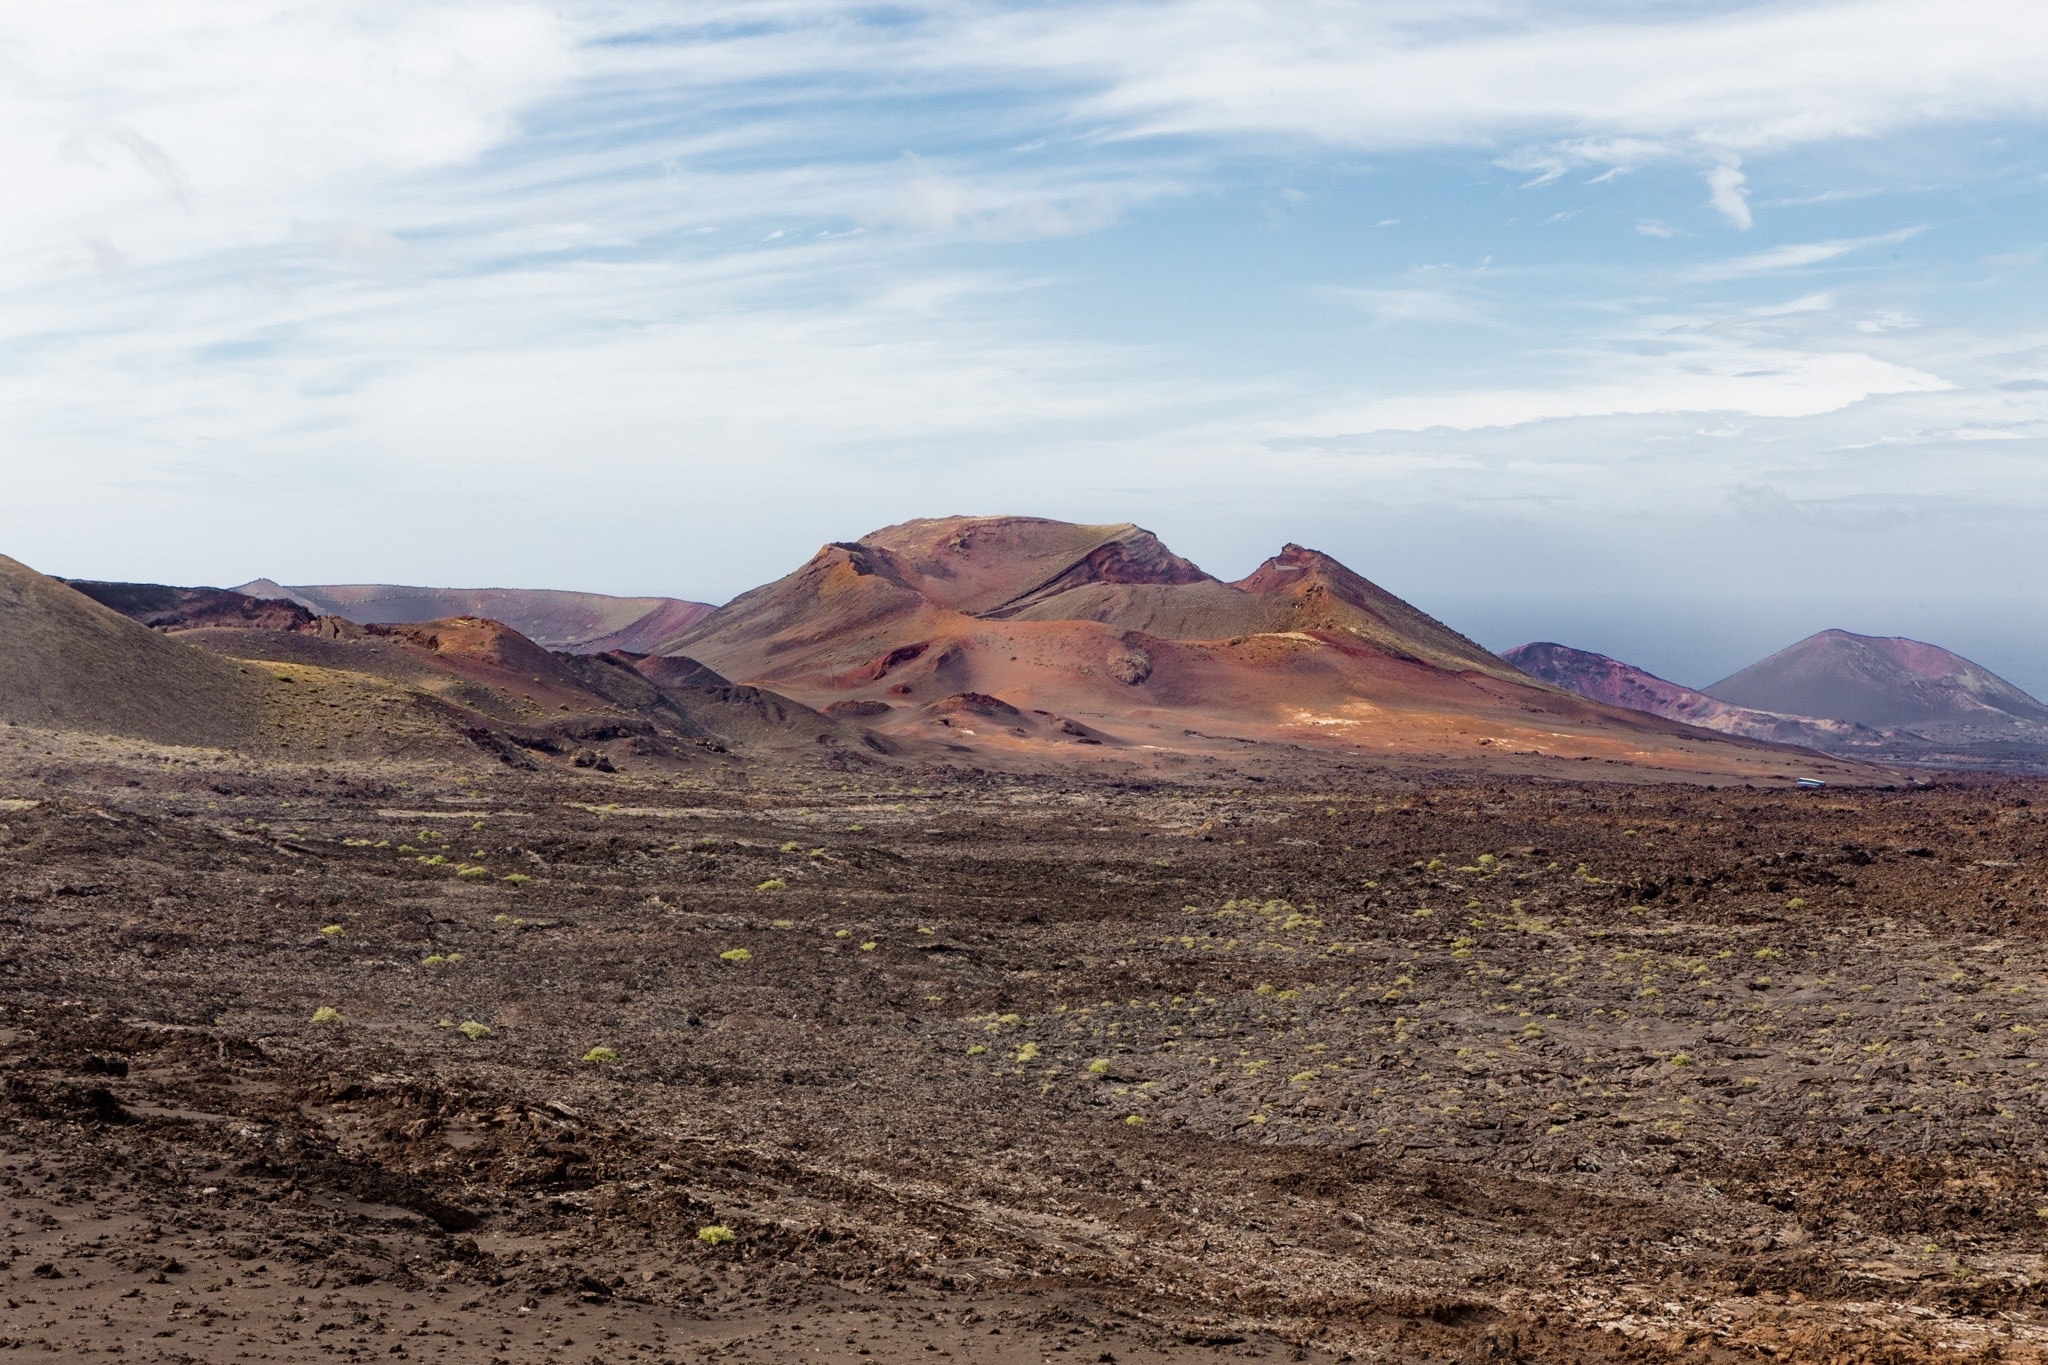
(1012, 1070)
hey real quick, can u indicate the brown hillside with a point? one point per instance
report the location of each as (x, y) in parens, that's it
(389, 690)
(67, 662)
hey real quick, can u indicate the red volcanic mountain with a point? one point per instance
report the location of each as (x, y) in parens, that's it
(1885, 682)
(1619, 684)
(1014, 633)
(580, 622)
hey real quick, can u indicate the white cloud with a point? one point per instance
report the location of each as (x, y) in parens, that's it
(1757, 381)
(1726, 193)
(1794, 255)
(1404, 74)
(1410, 305)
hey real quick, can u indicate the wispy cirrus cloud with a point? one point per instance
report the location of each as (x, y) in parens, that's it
(1794, 255)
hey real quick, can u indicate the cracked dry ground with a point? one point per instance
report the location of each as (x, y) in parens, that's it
(1381, 1068)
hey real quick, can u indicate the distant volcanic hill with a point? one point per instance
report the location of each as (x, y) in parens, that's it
(580, 622)
(1619, 684)
(1885, 682)
(1010, 634)
(1885, 700)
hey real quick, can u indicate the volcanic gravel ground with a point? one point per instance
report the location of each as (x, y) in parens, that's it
(818, 1067)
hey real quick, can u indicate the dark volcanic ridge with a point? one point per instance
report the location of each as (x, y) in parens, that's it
(579, 622)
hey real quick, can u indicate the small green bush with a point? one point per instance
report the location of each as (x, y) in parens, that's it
(1134, 1120)
(332, 930)
(792, 847)
(601, 1056)
(717, 1235)
(773, 884)
(735, 955)
(433, 959)
(1099, 1067)
(516, 878)
(327, 1014)
(472, 1030)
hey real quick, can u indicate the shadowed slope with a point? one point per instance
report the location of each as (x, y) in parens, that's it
(67, 662)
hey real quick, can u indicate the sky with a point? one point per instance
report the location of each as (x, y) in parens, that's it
(1672, 330)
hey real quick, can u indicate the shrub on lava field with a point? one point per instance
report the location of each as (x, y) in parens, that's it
(735, 955)
(1028, 1053)
(327, 1014)
(1134, 1121)
(516, 878)
(1099, 1067)
(433, 959)
(717, 1235)
(600, 1056)
(792, 847)
(976, 1050)
(472, 870)
(332, 930)
(472, 1030)
(773, 884)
